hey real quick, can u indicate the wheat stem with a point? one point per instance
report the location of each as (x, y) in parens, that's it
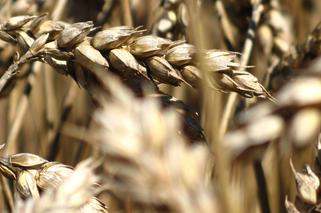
(54, 139)
(128, 20)
(7, 193)
(21, 110)
(247, 49)
(262, 187)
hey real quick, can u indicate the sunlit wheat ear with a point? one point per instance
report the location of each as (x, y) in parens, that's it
(248, 142)
(147, 154)
(22, 168)
(33, 174)
(68, 48)
(74, 194)
(226, 74)
(296, 117)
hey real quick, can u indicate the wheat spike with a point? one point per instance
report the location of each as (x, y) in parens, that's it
(165, 59)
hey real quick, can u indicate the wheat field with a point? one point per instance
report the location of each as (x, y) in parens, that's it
(180, 106)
